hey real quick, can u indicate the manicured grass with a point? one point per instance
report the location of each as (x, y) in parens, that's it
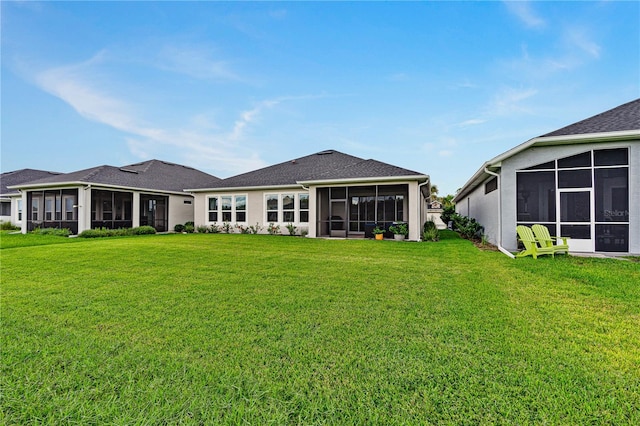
(235, 329)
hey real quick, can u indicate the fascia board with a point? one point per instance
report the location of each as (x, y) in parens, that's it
(364, 180)
(245, 188)
(92, 185)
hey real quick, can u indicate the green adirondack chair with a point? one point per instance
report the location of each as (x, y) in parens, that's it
(546, 240)
(531, 247)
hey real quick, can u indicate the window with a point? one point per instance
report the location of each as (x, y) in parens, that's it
(213, 209)
(225, 203)
(241, 208)
(48, 208)
(58, 208)
(68, 208)
(288, 207)
(272, 207)
(491, 185)
(574, 178)
(611, 157)
(19, 210)
(226, 208)
(5, 208)
(35, 209)
(303, 200)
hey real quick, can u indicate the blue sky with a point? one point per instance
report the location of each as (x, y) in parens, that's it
(437, 87)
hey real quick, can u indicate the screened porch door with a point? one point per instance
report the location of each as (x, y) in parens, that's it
(576, 213)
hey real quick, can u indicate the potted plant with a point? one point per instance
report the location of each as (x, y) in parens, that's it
(400, 230)
(378, 232)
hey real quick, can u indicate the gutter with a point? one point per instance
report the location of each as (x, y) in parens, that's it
(502, 249)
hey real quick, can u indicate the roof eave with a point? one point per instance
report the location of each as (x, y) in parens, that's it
(419, 178)
(244, 188)
(93, 184)
(496, 162)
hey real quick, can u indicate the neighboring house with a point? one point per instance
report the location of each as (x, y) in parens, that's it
(11, 204)
(434, 211)
(581, 181)
(327, 194)
(147, 193)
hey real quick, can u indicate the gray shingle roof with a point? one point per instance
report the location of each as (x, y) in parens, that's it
(623, 117)
(18, 177)
(152, 174)
(323, 165)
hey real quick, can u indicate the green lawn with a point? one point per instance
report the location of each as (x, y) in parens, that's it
(246, 329)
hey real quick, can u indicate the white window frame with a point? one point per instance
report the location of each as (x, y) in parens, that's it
(280, 211)
(233, 211)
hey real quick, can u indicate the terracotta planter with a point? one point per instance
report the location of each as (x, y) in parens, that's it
(379, 236)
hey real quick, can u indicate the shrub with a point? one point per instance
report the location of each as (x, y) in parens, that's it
(430, 231)
(8, 226)
(202, 229)
(255, 229)
(143, 230)
(291, 228)
(243, 229)
(189, 228)
(400, 228)
(214, 229)
(120, 232)
(226, 227)
(64, 232)
(468, 227)
(178, 228)
(273, 229)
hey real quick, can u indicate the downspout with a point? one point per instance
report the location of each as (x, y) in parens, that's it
(420, 205)
(502, 249)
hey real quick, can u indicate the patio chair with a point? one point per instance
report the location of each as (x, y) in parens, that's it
(546, 240)
(531, 247)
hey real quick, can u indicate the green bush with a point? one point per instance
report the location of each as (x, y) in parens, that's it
(430, 231)
(120, 232)
(447, 214)
(64, 232)
(202, 229)
(178, 228)
(189, 228)
(8, 226)
(143, 230)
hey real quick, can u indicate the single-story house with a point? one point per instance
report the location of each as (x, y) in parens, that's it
(148, 193)
(11, 205)
(326, 194)
(581, 181)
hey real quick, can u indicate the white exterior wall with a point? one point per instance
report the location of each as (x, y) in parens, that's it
(484, 209)
(256, 212)
(179, 212)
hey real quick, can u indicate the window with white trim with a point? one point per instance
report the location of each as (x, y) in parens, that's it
(303, 204)
(272, 207)
(227, 208)
(213, 209)
(288, 208)
(19, 210)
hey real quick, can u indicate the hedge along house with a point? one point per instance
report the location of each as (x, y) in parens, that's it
(148, 193)
(327, 194)
(581, 181)
(11, 204)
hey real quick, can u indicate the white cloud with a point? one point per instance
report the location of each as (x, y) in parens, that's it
(523, 11)
(194, 61)
(471, 122)
(206, 147)
(510, 100)
(579, 38)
